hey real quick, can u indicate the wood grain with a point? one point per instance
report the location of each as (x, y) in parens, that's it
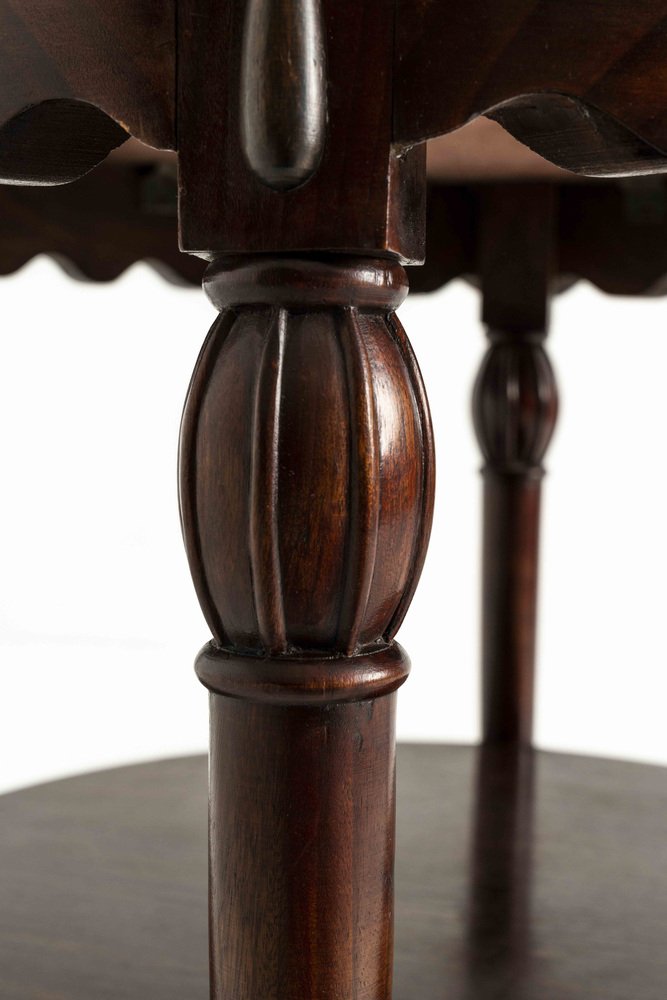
(56, 142)
(613, 233)
(365, 196)
(537, 877)
(306, 451)
(117, 58)
(305, 533)
(303, 850)
(578, 81)
(306, 492)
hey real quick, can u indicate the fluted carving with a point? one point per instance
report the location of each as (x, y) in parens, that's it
(515, 403)
(515, 406)
(306, 459)
(306, 497)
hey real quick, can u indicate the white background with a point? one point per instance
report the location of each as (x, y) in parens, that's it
(98, 620)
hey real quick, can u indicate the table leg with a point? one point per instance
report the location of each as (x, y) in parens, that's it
(306, 494)
(515, 407)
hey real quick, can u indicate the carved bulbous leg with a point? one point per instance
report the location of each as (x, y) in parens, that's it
(515, 406)
(306, 494)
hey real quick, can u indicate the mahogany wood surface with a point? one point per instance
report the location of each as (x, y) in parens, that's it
(530, 877)
(579, 81)
(307, 458)
(514, 407)
(55, 142)
(106, 70)
(306, 498)
(366, 195)
(98, 226)
(611, 233)
(283, 91)
(302, 853)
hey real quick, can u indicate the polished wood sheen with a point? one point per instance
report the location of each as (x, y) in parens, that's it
(306, 458)
(526, 876)
(307, 492)
(303, 853)
(283, 90)
(303, 680)
(365, 194)
(306, 471)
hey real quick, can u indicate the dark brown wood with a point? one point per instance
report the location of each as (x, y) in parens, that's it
(499, 919)
(56, 141)
(106, 70)
(542, 876)
(615, 235)
(303, 856)
(283, 91)
(611, 233)
(514, 408)
(578, 81)
(364, 195)
(306, 499)
(534, 876)
(100, 225)
(306, 454)
(306, 680)
(307, 466)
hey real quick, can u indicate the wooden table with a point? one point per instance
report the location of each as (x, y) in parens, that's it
(306, 484)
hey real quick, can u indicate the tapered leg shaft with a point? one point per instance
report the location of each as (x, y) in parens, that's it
(515, 406)
(510, 548)
(302, 849)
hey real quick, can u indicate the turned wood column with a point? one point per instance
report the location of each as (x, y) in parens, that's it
(306, 494)
(306, 480)
(514, 407)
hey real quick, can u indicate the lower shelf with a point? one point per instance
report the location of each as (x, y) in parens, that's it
(518, 878)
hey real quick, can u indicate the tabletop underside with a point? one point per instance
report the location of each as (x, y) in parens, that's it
(578, 81)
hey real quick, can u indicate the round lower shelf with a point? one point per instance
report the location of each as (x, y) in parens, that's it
(541, 876)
